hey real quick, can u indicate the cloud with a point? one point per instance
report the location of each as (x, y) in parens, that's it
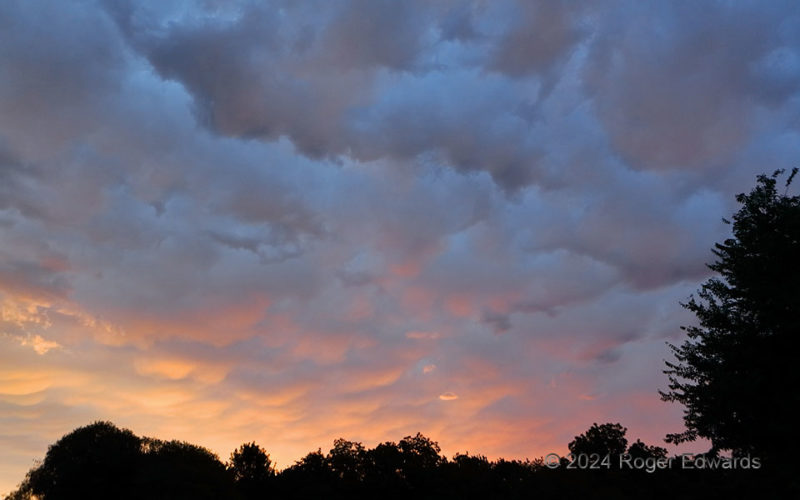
(539, 35)
(673, 94)
(39, 344)
(422, 335)
(395, 30)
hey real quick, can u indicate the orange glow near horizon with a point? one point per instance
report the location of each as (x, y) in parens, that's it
(205, 401)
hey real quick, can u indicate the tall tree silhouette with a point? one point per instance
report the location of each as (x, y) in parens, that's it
(421, 458)
(347, 461)
(736, 373)
(252, 470)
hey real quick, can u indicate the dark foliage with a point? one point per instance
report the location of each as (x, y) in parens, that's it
(175, 469)
(102, 461)
(94, 461)
(608, 440)
(252, 470)
(736, 372)
(601, 440)
(641, 450)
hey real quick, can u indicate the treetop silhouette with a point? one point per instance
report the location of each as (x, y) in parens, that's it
(736, 373)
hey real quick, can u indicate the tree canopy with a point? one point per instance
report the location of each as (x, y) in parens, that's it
(94, 461)
(252, 469)
(606, 439)
(103, 461)
(736, 372)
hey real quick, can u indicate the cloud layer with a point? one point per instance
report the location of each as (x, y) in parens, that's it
(289, 222)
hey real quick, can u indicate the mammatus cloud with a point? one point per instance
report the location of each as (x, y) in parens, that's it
(285, 222)
(689, 97)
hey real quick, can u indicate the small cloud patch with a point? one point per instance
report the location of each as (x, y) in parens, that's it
(39, 344)
(423, 335)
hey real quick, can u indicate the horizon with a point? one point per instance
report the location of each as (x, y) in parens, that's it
(292, 222)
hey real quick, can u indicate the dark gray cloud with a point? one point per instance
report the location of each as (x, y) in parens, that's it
(680, 85)
(673, 85)
(538, 35)
(57, 73)
(42, 280)
(395, 32)
(249, 78)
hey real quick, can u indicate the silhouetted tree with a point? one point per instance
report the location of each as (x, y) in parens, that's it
(473, 465)
(314, 464)
(384, 467)
(95, 461)
(641, 450)
(515, 473)
(176, 469)
(103, 461)
(311, 476)
(606, 439)
(736, 373)
(421, 458)
(420, 451)
(412, 468)
(347, 462)
(252, 470)
(471, 474)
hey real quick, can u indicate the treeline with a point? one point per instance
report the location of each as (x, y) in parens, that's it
(103, 461)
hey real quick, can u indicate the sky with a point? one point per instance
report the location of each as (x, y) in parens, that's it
(287, 222)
